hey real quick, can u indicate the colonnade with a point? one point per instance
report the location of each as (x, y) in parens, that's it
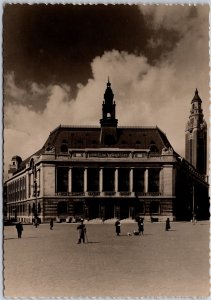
(116, 180)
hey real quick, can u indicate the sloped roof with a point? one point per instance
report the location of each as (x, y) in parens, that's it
(81, 137)
(76, 137)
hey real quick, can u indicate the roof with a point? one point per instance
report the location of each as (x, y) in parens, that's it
(76, 137)
(81, 137)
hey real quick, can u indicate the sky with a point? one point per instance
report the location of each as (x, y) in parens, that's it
(57, 59)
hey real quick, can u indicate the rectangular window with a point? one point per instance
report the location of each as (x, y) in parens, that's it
(108, 179)
(138, 180)
(62, 179)
(92, 180)
(123, 180)
(153, 182)
(77, 179)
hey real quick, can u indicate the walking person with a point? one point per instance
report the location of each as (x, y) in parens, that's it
(19, 228)
(168, 224)
(36, 223)
(51, 224)
(81, 232)
(118, 225)
(141, 226)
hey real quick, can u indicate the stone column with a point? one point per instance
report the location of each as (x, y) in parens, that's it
(41, 180)
(70, 180)
(101, 180)
(116, 180)
(131, 180)
(85, 180)
(146, 178)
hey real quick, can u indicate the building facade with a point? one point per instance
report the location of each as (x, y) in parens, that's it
(107, 172)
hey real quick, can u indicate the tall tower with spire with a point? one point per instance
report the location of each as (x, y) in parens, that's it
(108, 121)
(196, 136)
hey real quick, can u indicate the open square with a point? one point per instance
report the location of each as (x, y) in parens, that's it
(50, 263)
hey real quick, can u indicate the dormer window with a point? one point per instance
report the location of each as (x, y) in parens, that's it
(64, 148)
(153, 148)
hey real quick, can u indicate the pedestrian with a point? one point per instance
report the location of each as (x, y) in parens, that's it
(81, 232)
(36, 223)
(168, 224)
(118, 225)
(51, 224)
(19, 228)
(141, 226)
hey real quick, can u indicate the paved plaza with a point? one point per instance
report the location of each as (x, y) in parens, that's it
(50, 263)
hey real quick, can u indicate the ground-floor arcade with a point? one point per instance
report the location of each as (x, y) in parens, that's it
(72, 209)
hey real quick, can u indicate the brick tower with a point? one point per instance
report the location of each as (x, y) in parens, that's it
(196, 136)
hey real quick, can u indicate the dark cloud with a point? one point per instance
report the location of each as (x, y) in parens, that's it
(56, 43)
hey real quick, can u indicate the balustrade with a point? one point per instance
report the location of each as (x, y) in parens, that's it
(94, 193)
(124, 193)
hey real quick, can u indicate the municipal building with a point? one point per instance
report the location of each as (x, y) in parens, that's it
(110, 171)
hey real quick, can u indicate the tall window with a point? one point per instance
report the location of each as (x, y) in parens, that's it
(77, 180)
(138, 180)
(154, 180)
(108, 180)
(123, 176)
(62, 179)
(93, 179)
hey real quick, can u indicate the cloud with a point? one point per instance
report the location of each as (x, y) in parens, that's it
(145, 94)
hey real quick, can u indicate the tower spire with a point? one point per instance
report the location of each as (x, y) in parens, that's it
(108, 83)
(108, 108)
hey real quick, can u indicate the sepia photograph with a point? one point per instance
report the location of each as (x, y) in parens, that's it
(105, 150)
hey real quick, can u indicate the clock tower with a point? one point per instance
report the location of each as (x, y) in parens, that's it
(108, 122)
(196, 136)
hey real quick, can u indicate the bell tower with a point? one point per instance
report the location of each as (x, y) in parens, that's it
(196, 136)
(108, 121)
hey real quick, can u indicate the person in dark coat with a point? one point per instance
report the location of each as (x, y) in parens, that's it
(51, 224)
(36, 222)
(81, 232)
(141, 226)
(118, 225)
(167, 224)
(19, 228)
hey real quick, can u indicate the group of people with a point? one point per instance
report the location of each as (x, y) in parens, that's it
(140, 222)
(82, 228)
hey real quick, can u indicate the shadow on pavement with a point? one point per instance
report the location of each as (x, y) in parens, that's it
(16, 238)
(92, 242)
